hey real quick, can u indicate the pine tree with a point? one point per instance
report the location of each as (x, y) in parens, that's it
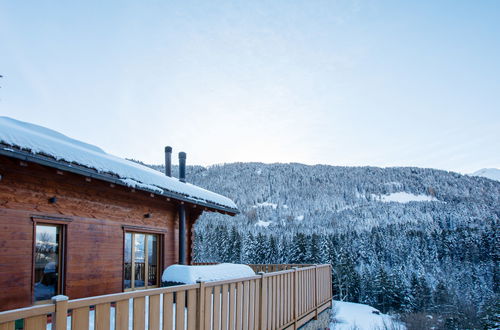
(249, 249)
(421, 292)
(345, 278)
(491, 313)
(383, 290)
(261, 249)
(198, 247)
(272, 255)
(222, 244)
(314, 252)
(235, 241)
(299, 249)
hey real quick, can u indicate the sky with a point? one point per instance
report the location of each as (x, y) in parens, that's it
(351, 83)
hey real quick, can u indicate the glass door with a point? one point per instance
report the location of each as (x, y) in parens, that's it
(140, 261)
(48, 239)
(152, 260)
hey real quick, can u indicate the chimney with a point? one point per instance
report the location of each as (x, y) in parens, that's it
(168, 161)
(182, 166)
(182, 212)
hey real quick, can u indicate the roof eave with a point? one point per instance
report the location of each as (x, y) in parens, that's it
(91, 173)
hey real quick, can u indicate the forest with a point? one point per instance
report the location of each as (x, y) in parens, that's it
(420, 243)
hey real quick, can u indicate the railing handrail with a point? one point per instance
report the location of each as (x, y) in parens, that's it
(232, 280)
(21, 313)
(114, 297)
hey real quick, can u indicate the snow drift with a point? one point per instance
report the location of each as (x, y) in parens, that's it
(192, 274)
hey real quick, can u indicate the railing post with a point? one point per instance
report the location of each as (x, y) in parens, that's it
(316, 294)
(330, 267)
(263, 302)
(60, 318)
(200, 317)
(295, 297)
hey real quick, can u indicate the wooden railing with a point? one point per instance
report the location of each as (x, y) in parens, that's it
(269, 268)
(266, 268)
(279, 300)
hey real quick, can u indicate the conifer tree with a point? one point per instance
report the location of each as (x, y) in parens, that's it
(235, 241)
(299, 249)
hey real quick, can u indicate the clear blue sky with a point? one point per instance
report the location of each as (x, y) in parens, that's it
(384, 83)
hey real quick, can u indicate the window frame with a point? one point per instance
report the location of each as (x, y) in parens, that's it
(159, 256)
(61, 280)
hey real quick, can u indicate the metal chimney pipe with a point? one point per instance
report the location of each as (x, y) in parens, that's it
(168, 161)
(182, 235)
(182, 212)
(182, 166)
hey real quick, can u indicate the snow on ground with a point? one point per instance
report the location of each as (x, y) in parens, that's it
(192, 274)
(394, 184)
(263, 223)
(39, 140)
(490, 173)
(404, 197)
(266, 204)
(347, 207)
(350, 316)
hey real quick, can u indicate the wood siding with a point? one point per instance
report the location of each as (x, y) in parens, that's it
(94, 214)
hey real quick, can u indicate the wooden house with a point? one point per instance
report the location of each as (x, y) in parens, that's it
(77, 221)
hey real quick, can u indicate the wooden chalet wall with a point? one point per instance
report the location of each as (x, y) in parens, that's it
(94, 213)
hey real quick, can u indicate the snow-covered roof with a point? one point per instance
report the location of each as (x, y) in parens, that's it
(191, 274)
(17, 137)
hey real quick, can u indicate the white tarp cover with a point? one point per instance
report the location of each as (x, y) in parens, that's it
(40, 140)
(191, 274)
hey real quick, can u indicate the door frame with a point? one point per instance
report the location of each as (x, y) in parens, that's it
(62, 223)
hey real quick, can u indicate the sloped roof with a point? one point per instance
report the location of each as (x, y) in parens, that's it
(48, 147)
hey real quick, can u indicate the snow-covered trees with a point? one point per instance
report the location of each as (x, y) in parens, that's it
(399, 256)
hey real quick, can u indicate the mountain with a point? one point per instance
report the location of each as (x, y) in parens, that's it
(490, 173)
(402, 239)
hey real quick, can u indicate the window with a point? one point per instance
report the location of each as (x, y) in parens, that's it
(140, 261)
(48, 261)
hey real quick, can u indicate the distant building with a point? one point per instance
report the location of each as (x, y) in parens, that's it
(77, 221)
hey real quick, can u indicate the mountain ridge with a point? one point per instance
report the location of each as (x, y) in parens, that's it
(490, 173)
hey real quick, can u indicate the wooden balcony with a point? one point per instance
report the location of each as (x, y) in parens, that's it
(285, 298)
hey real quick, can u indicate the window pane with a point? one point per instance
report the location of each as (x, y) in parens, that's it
(152, 260)
(46, 261)
(128, 261)
(139, 246)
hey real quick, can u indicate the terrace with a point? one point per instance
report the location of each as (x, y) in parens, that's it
(279, 297)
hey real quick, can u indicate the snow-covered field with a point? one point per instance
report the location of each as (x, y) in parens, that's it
(266, 204)
(404, 197)
(262, 223)
(350, 316)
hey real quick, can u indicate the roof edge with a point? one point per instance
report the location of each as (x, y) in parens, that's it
(92, 173)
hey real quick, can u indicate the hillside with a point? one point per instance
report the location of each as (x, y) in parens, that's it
(399, 239)
(490, 173)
